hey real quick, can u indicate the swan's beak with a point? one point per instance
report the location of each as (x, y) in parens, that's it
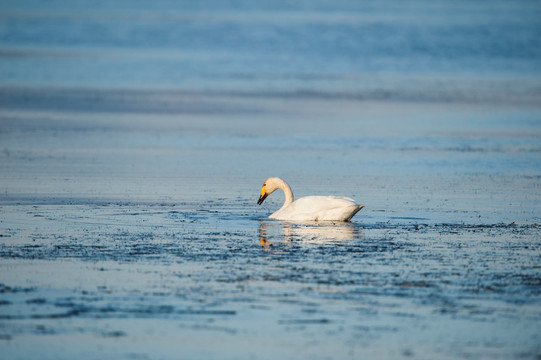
(263, 195)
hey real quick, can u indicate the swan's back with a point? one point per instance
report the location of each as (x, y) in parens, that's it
(309, 208)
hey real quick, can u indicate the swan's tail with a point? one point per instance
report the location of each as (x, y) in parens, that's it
(355, 211)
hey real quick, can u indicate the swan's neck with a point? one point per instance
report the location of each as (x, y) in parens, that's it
(287, 192)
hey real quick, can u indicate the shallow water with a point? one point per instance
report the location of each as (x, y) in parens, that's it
(133, 148)
(120, 242)
(153, 280)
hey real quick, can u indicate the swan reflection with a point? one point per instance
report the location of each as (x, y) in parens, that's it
(310, 232)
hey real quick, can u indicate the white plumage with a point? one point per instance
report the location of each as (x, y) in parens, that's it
(308, 208)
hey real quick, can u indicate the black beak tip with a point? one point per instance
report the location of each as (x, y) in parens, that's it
(261, 199)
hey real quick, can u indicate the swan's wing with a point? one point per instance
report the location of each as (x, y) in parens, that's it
(320, 208)
(318, 203)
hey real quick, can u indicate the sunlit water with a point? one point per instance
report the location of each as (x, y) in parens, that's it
(134, 140)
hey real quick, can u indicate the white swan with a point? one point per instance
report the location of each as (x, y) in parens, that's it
(308, 208)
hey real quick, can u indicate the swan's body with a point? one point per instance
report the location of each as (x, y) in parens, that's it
(308, 208)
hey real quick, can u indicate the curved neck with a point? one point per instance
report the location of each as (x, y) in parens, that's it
(287, 192)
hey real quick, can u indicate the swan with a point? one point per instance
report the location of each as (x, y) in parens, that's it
(308, 208)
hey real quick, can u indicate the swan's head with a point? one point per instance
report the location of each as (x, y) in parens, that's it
(269, 186)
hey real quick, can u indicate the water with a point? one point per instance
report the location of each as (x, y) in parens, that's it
(369, 49)
(134, 139)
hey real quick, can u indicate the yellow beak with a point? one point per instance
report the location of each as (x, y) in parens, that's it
(263, 195)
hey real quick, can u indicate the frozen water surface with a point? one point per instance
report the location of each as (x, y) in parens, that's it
(134, 140)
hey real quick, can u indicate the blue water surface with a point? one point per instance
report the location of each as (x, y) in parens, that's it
(343, 47)
(135, 137)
